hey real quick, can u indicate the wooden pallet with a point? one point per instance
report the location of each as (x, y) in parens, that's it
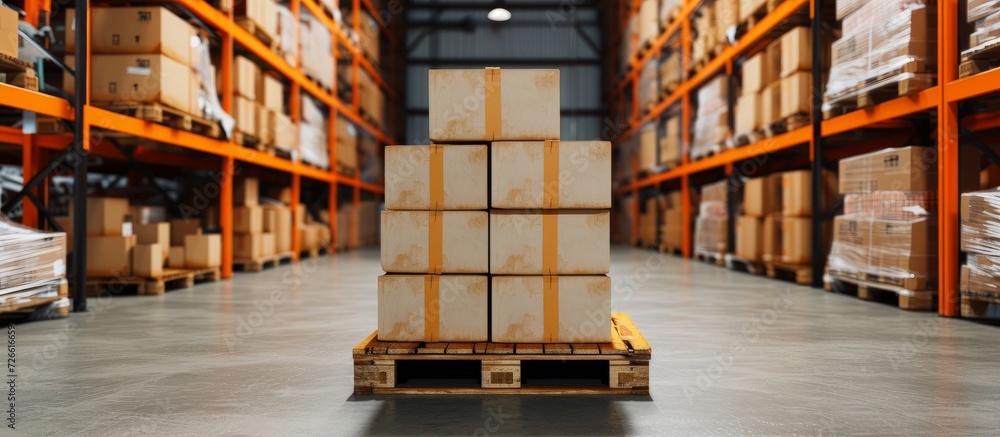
(671, 250)
(745, 139)
(891, 90)
(617, 368)
(278, 152)
(885, 293)
(757, 15)
(16, 72)
(708, 152)
(797, 273)
(740, 264)
(38, 308)
(980, 305)
(247, 140)
(347, 171)
(973, 67)
(709, 257)
(786, 124)
(165, 115)
(171, 279)
(986, 51)
(252, 28)
(314, 253)
(256, 265)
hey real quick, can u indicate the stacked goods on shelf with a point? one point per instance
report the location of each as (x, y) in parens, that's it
(347, 147)
(770, 90)
(983, 17)
(250, 240)
(8, 32)
(980, 238)
(711, 124)
(627, 45)
(887, 48)
(761, 199)
(246, 76)
(649, 87)
(286, 44)
(796, 78)
(33, 265)
(316, 49)
(371, 159)
(372, 99)
(711, 227)
(648, 150)
(313, 147)
(649, 221)
(888, 233)
(758, 74)
(259, 17)
(109, 238)
(649, 23)
(669, 11)
(274, 126)
(703, 47)
(672, 229)
(788, 235)
(369, 38)
(671, 72)
(727, 14)
(670, 143)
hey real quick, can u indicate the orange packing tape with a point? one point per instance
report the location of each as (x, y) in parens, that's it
(550, 310)
(550, 161)
(435, 231)
(437, 177)
(432, 308)
(494, 128)
(550, 244)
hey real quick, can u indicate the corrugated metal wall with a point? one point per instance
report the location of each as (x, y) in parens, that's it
(537, 36)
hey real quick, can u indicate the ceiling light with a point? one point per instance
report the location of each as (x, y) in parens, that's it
(498, 14)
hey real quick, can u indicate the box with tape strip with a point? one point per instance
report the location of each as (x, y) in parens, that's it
(435, 241)
(433, 308)
(493, 105)
(550, 243)
(436, 177)
(550, 174)
(551, 309)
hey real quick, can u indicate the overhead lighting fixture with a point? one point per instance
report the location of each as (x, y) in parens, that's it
(499, 13)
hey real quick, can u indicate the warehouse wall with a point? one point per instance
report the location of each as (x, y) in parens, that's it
(540, 35)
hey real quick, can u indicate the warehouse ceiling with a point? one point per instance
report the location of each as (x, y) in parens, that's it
(540, 34)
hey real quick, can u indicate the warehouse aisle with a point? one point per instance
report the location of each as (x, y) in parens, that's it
(269, 354)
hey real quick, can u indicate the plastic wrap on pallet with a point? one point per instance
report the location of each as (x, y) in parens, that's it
(313, 129)
(711, 235)
(980, 221)
(649, 86)
(979, 9)
(29, 258)
(286, 35)
(983, 275)
(670, 70)
(892, 205)
(845, 7)
(985, 32)
(878, 39)
(208, 97)
(900, 253)
(711, 124)
(649, 23)
(316, 44)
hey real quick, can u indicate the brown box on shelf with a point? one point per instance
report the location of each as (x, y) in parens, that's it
(105, 216)
(750, 238)
(796, 94)
(647, 149)
(670, 144)
(246, 75)
(262, 118)
(175, 259)
(462, 316)
(283, 130)
(270, 92)
(262, 12)
(762, 195)
(462, 236)
(248, 220)
(977, 214)
(796, 192)
(771, 240)
(558, 243)
(180, 228)
(347, 144)
(147, 260)
(268, 243)
(202, 251)
(748, 114)
(757, 73)
(711, 235)
(582, 308)
(796, 51)
(912, 168)
(134, 30)
(109, 257)
(245, 114)
(528, 110)
(981, 275)
(249, 246)
(461, 169)
(770, 103)
(369, 37)
(8, 31)
(246, 192)
(131, 79)
(154, 233)
(796, 240)
(281, 227)
(895, 252)
(748, 7)
(581, 178)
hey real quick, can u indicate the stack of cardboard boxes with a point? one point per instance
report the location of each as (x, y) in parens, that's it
(796, 76)
(530, 270)
(256, 229)
(711, 227)
(32, 261)
(313, 147)
(980, 238)
(316, 49)
(711, 124)
(670, 142)
(761, 200)
(347, 147)
(983, 17)
(759, 103)
(888, 233)
(650, 219)
(672, 228)
(258, 16)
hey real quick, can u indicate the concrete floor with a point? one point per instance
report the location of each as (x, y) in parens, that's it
(733, 355)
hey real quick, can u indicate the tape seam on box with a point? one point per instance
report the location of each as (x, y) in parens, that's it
(437, 177)
(550, 164)
(494, 126)
(550, 244)
(432, 308)
(435, 235)
(550, 309)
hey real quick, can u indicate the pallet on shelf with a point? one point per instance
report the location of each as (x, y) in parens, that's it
(172, 279)
(167, 116)
(670, 249)
(710, 257)
(18, 73)
(252, 28)
(248, 140)
(267, 262)
(346, 171)
(870, 290)
(619, 367)
(747, 138)
(980, 305)
(754, 17)
(708, 152)
(786, 124)
(798, 273)
(740, 264)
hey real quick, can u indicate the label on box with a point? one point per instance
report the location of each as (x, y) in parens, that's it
(127, 229)
(58, 267)
(140, 71)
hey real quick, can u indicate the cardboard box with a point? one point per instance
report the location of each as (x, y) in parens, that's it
(463, 241)
(245, 114)
(757, 74)
(711, 235)
(551, 175)
(269, 244)
(262, 12)
(981, 275)
(141, 30)
(771, 241)
(750, 238)
(147, 260)
(247, 247)
(647, 149)
(105, 216)
(284, 131)
(246, 192)
(796, 240)
(670, 144)
(977, 213)
(281, 227)
(549, 243)
(154, 233)
(762, 196)
(461, 169)
(175, 257)
(369, 37)
(147, 214)
(528, 103)
(796, 193)
(181, 228)
(347, 145)
(202, 251)
(912, 168)
(8, 31)
(261, 119)
(128, 79)
(748, 114)
(270, 93)
(748, 7)
(248, 220)
(896, 252)
(459, 308)
(796, 94)
(109, 256)
(309, 237)
(796, 51)
(246, 75)
(770, 104)
(551, 309)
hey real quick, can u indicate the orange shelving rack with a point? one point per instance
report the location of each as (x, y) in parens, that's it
(35, 148)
